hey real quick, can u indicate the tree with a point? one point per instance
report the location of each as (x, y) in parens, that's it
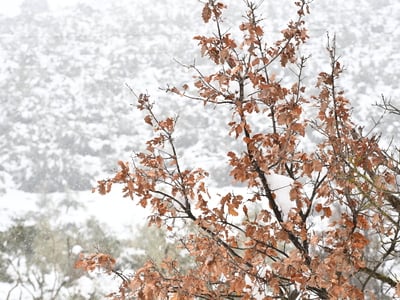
(37, 253)
(329, 230)
(150, 243)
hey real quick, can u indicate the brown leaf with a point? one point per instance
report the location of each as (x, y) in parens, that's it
(206, 13)
(258, 30)
(232, 210)
(299, 128)
(398, 289)
(359, 240)
(175, 90)
(327, 211)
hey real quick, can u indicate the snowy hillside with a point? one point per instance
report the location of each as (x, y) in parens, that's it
(67, 115)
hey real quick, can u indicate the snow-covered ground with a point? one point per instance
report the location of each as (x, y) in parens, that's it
(116, 212)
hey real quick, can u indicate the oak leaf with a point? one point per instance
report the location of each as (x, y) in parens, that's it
(206, 13)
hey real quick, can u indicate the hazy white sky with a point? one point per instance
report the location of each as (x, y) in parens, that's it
(11, 7)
